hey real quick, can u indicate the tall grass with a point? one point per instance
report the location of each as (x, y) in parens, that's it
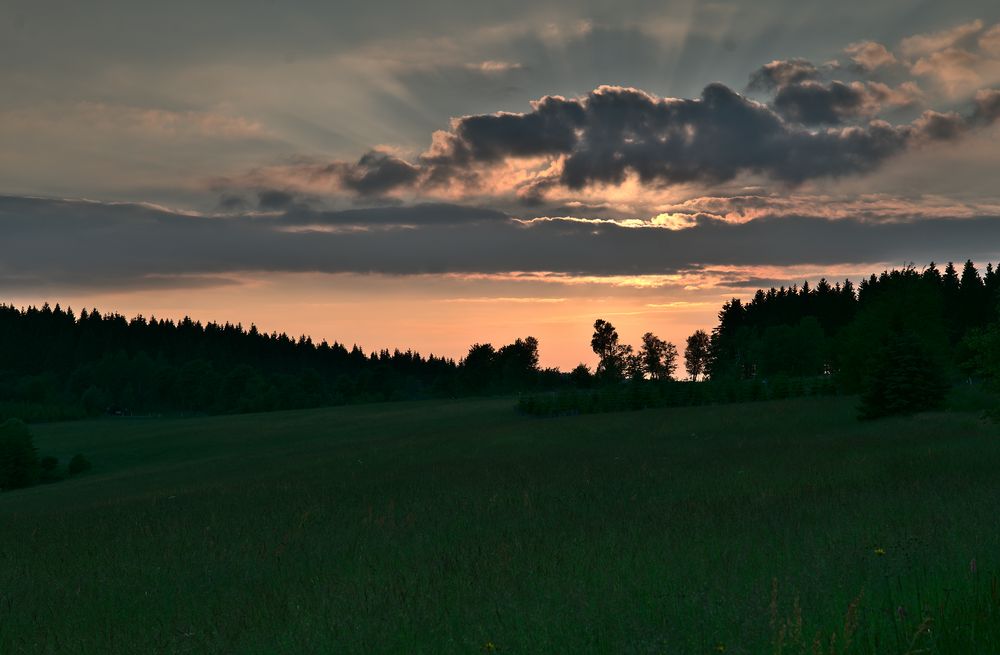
(457, 527)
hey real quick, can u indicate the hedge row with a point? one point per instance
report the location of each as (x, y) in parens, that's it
(645, 394)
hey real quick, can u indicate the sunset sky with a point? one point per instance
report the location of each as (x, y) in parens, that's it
(431, 174)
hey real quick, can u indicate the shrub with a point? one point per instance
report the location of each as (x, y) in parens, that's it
(636, 394)
(18, 456)
(78, 464)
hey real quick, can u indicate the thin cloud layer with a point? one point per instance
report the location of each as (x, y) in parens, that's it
(126, 246)
(957, 60)
(989, 42)
(922, 44)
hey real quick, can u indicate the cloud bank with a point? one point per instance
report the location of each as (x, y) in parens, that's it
(129, 246)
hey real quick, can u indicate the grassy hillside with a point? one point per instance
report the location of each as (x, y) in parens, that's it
(459, 527)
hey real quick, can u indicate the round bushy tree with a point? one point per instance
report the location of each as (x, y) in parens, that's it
(905, 379)
(18, 456)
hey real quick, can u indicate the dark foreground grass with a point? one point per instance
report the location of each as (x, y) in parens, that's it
(458, 527)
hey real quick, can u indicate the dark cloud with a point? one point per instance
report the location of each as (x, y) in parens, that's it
(374, 174)
(272, 199)
(781, 72)
(422, 214)
(232, 203)
(122, 246)
(987, 107)
(615, 131)
(550, 128)
(56, 281)
(936, 126)
(814, 103)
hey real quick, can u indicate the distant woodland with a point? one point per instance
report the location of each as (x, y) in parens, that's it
(55, 364)
(901, 340)
(924, 329)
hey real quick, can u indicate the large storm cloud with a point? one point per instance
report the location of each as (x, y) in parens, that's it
(613, 132)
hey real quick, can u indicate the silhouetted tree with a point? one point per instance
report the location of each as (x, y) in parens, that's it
(632, 363)
(696, 354)
(991, 292)
(951, 289)
(901, 301)
(659, 357)
(518, 363)
(611, 354)
(932, 275)
(974, 309)
(729, 340)
(580, 376)
(478, 367)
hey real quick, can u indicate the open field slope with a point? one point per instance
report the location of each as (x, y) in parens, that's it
(458, 527)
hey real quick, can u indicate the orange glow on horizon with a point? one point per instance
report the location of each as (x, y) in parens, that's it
(445, 314)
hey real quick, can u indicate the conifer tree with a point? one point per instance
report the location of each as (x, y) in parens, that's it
(906, 379)
(973, 310)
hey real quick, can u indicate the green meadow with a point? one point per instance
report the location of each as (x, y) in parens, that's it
(465, 527)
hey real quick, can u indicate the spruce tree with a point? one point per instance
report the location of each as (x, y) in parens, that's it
(972, 299)
(905, 379)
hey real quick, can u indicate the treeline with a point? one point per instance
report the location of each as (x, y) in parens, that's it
(900, 339)
(844, 332)
(56, 365)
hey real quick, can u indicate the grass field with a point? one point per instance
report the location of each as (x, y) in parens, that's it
(462, 527)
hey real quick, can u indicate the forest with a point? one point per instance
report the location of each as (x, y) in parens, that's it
(56, 365)
(901, 340)
(916, 330)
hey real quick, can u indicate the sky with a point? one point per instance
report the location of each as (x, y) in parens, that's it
(432, 175)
